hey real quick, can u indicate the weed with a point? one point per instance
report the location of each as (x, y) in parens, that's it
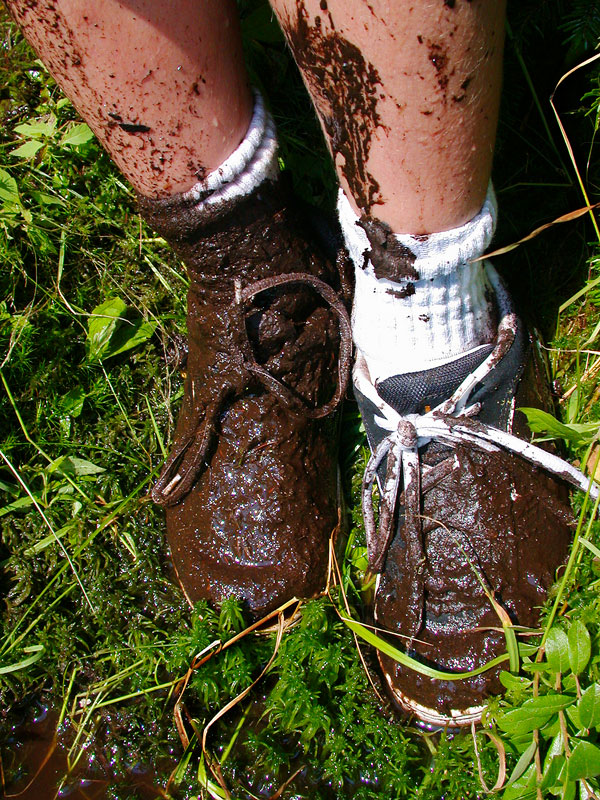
(93, 624)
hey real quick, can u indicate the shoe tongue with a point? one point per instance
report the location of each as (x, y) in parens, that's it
(417, 392)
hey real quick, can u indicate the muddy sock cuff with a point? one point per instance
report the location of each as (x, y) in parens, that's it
(431, 256)
(252, 163)
(420, 301)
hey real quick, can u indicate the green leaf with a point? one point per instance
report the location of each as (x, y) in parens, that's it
(533, 713)
(591, 547)
(8, 188)
(513, 682)
(72, 402)
(110, 331)
(554, 762)
(557, 650)
(77, 135)
(523, 763)
(10, 488)
(21, 502)
(569, 791)
(573, 714)
(523, 788)
(37, 651)
(580, 646)
(102, 325)
(542, 422)
(412, 663)
(71, 465)
(130, 335)
(39, 128)
(589, 707)
(551, 728)
(38, 547)
(553, 768)
(584, 762)
(28, 149)
(46, 199)
(526, 649)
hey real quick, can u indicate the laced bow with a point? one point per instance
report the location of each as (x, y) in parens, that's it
(450, 423)
(190, 452)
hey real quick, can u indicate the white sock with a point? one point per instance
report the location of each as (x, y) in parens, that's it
(426, 305)
(254, 161)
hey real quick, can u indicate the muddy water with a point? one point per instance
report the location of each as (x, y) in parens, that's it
(34, 765)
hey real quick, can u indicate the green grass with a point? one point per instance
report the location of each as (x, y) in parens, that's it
(92, 622)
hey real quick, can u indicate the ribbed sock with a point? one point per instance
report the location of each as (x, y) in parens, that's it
(419, 302)
(253, 161)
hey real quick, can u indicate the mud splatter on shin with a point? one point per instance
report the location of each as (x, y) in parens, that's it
(346, 89)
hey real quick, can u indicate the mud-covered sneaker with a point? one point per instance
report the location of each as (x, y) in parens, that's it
(250, 487)
(468, 511)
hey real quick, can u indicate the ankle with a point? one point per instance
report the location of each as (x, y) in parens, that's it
(250, 166)
(420, 301)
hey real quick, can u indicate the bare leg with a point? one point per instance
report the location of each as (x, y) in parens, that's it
(408, 97)
(250, 488)
(163, 85)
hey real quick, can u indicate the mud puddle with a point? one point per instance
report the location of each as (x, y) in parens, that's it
(34, 763)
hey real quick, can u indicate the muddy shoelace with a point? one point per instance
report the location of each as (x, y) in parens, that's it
(189, 456)
(450, 423)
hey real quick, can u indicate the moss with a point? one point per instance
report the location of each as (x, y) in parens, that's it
(116, 634)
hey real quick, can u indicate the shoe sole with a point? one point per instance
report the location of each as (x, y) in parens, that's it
(429, 718)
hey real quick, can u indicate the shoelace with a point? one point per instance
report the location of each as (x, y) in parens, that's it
(449, 423)
(189, 455)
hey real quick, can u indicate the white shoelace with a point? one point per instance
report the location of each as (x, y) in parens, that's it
(450, 423)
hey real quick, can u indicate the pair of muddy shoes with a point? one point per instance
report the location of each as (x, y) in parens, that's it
(251, 486)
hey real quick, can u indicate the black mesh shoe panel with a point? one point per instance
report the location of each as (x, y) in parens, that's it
(412, 392)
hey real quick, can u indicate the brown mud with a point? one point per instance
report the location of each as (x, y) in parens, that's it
(345, 89)
(516, 545)
(496, 520)
(390, 258)
(37, 758)
(251, 486)
(35, 763)
(406, 290)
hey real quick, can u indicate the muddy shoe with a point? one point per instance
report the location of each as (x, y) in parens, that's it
(469, 513)
(250, 486)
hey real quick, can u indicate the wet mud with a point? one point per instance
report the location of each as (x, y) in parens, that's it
(390, 258)
(38, 762)
(254, 501)
(503, 517)
(346, 90)
(439, 59)
(407, 290)
(495, 520)
(129, 127)
(35, 766)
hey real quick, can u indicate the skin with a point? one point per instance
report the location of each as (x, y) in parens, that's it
(411, 122)
(176, 72)
(435, 73)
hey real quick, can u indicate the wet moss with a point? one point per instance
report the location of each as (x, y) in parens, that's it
(116, 634)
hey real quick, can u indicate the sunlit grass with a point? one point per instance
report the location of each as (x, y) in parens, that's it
(92, 621)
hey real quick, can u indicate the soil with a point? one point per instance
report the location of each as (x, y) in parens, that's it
(41, 757)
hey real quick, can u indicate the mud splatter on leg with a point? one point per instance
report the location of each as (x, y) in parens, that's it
(346, 88)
